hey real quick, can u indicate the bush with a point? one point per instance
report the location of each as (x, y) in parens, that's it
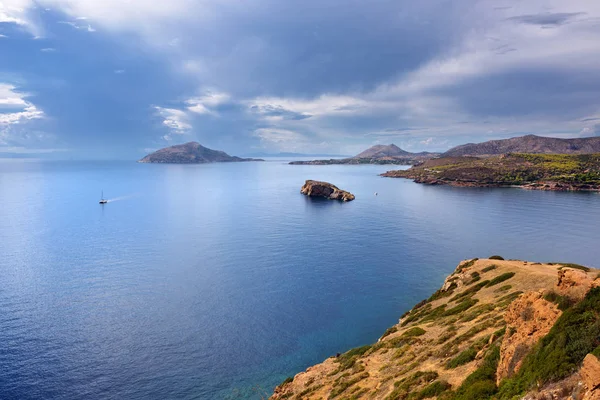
(481, 384)
(470, 291)
(462, 306)
(487, 269)
(465, 357)
(575, 266)
(389, 331)
(287, 380)
(563, 302)
(432, 390)
(415, 331)
(496, 258)
(500, 278)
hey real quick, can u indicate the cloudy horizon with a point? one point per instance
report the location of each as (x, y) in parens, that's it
(112, 79)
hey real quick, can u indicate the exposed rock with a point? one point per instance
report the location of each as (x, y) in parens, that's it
(325, 189)
(528, 319)
(590, 373)
(574, 283)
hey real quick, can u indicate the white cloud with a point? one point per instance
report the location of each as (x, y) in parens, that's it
(119, 71)
(48, 50)
(176, 120)
(79, 26)
(3, 36)
(14, 108)
(203, 104)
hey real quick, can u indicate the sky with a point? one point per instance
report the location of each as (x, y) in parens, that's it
(113, 79)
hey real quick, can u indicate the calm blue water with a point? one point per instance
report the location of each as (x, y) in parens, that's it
(218, 281)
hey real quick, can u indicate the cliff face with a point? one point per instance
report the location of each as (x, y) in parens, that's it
(326, 190)
(190, 153)
(495, 330)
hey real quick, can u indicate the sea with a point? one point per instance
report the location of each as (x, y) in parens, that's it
(218, 281)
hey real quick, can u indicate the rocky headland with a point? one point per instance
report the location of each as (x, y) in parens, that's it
(324, 189)
(496, 329)
(558, 172)
(191, 153)
(378, 154)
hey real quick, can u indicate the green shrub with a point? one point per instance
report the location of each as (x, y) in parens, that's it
(432, 390)
(403, 387)
(500, 278)
(558, 354)
(389, 331)
(481, 384)
(503, 288)
(470, 291)
(348, 359)
(287, 380)
(464, 357)
(487, 269)
(563, 302)
(414, 331)
(496, 258)
(575, 266)
(462, 306)
(466, 264)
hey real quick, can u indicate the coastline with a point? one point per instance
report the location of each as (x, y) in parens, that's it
(475, 338)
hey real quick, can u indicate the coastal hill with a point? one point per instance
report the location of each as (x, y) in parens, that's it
(190, 153)
(378, 154)
(496, 329)
(527, 144)
(572, 172)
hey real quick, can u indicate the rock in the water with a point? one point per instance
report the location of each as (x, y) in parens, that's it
(325, 189)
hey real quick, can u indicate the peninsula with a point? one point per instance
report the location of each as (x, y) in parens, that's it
(527, 144)
(496, 329)
(560, 172)
(190, 153)
(379, 154)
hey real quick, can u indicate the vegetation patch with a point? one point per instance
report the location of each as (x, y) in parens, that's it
(464, 357)
(462, 306)
(466, 264)
(481, 384)
(342, 384)
(560, 353)
(348, 359)
(403, 387)
(490, 268)
(504, 288)
(470, 291)
(563, 302)
(415, 331)
(477, 311)
(575, 266)
(501, 278)
(496, 257)
(389, 331)
(432, 390)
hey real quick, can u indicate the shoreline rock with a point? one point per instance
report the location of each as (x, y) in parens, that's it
(325, 189)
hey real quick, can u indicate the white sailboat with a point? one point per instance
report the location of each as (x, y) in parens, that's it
(102, 199)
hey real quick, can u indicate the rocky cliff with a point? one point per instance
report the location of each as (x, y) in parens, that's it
(496, 329)
(190, 153)
(326, 190)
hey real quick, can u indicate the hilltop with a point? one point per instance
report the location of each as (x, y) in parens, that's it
(527, 144)
(531, 171)
(496, 329)
(190, 153)
(378, 154)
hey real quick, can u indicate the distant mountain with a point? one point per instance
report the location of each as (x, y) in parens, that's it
(289, 154)
(378, 154)
(190, 153)
(527, 144)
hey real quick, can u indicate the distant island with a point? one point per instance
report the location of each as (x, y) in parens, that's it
(496, 329)
(191, 153)
(527, 144)
(379, 154)
(561, 172)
